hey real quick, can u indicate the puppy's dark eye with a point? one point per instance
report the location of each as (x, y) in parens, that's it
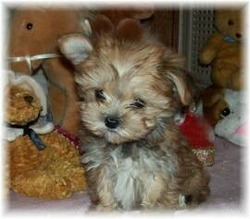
(99, 95)
(138, 103)
(29, 26)
(225, 112)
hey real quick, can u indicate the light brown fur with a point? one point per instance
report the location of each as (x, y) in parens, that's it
(144, 161)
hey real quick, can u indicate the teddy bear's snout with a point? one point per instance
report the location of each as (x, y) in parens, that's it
(29, 99)
(238, 35)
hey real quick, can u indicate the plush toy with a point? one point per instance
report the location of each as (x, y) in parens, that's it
(42, 161)
(225, 110)
(33, 45)
(199, 134)
(223, 50)
(115, 14)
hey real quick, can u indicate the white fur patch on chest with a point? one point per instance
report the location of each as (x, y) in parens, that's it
(134, 175)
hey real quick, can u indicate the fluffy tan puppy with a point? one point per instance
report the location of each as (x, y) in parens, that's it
(130, 87)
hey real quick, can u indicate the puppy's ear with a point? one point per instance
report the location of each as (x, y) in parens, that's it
(75, 47)
(129, 29)
(174, 68)
(182, 88)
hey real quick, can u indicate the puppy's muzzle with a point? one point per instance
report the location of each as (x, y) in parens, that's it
(112, 122)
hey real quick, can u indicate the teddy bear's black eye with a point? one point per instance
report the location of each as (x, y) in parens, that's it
(29, 26)
(138, 103)
(225, 112)
(99, 95)
(230, 22)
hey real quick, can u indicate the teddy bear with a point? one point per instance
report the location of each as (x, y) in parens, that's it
(223, 50)
(225, 110)
(33, 34)
(42, 161)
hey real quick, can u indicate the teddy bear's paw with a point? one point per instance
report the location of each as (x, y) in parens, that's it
(41, 185)
(207, 56)
(77, 179)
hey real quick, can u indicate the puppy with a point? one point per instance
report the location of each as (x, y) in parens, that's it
(130, 87)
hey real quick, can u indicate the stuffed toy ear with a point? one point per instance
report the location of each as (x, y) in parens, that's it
(75, 47)
(139, 13)
(101, 24)
(129, 29)
(144, 13)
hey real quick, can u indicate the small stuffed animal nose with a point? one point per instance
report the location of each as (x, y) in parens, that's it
(29, 99)
(112, 122)
(238, 35)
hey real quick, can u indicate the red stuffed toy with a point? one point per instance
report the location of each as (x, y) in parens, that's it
(200, 136)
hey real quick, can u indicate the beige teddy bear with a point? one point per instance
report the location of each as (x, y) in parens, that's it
(223, 50)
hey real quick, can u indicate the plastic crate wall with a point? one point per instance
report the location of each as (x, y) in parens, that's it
(196, 25)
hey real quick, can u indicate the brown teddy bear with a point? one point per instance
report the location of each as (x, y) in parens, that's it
(223, 50)
(42, 161)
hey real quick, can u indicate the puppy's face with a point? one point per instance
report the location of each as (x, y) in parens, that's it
(127, 86)
(124, 94)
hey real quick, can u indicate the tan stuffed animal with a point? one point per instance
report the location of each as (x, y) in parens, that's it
(225, 110)
(42, 161)
(223, 50)
(33, 45)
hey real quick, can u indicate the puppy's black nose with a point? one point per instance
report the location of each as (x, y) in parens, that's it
(112, 122)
